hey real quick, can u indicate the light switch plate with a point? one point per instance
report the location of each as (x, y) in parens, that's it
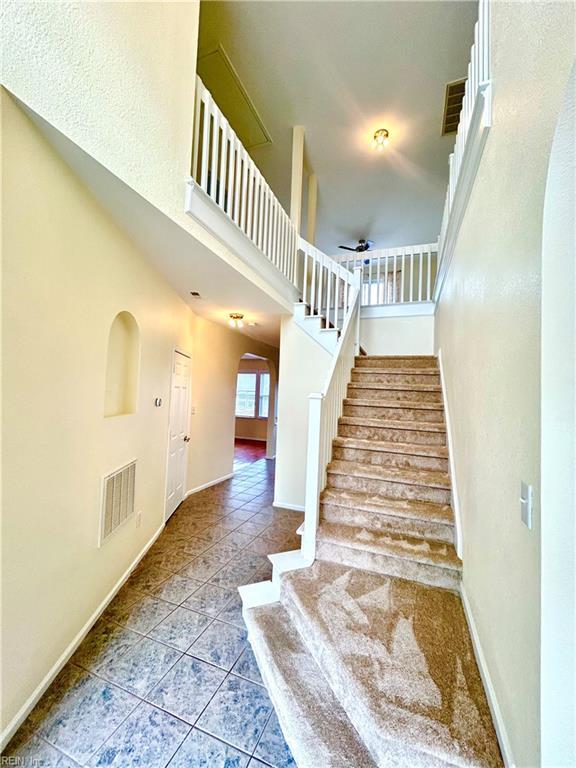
(526, 504)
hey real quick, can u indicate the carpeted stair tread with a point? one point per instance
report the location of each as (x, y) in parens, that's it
(398, 656)
(420, 405)
(398, 387)
(316, 727)
(426, 551)
(427, 511)
(425, 477)
(428, 371)
(406, 425)
(410, 449)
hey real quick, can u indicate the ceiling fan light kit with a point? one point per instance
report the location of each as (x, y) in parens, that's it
(236, 320)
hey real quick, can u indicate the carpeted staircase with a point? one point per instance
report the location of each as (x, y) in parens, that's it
(367, 656)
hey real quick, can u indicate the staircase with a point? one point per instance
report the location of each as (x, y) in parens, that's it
(386, 506)
(367, 655)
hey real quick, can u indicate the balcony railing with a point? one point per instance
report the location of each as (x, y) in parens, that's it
(475, 121)
(224, 170)
(395, 275)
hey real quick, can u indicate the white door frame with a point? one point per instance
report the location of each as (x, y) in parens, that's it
(176, 351)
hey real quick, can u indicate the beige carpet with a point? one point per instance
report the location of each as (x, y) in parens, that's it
(368, 658)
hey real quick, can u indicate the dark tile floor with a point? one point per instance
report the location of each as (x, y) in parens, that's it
(167, 677)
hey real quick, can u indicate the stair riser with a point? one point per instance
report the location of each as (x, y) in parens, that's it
(395, 414)
(367, 375)
(396, 362)
(387, 435)
(402, 568)
(394, 395)
(388, 489)
(378, 521)
(383, 459)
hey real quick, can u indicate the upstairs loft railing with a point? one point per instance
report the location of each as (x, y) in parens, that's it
(474, 120)
(224, 170)
(403, 275)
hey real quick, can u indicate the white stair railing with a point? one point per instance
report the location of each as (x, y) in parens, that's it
(224, 170)
(327, 286)
(476, 93)
(395, 275)
(325, 409)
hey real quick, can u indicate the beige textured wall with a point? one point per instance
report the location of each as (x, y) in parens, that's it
(488, 327)
(304, 365)
(398, 335)
(67, 271)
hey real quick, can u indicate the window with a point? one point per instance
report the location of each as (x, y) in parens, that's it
(253, 395)
(264, 395)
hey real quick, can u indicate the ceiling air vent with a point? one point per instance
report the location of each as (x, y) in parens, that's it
(453, 106)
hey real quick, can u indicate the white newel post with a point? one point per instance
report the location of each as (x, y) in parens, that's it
(358, 282)
(313, 458)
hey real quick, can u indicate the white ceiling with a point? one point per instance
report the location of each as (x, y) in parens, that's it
(344, 69)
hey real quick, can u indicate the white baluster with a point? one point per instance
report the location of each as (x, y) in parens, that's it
(205, 141)
(215, 145)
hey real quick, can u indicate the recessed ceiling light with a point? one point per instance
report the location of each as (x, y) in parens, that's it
(381, 139)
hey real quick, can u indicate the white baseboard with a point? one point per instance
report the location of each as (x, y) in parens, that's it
(497, 718)
(207, 485)
(458, 543)
(286, 505)
(33, 699)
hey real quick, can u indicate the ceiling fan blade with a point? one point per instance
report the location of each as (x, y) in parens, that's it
(346, 248)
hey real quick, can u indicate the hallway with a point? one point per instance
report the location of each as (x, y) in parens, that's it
(166, 676)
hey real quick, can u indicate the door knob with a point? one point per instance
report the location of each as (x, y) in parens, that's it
(186, 439)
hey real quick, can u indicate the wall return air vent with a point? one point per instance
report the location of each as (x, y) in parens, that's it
(117, 499)
(453, 106)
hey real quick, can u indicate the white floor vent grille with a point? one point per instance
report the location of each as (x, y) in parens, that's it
(118, 499)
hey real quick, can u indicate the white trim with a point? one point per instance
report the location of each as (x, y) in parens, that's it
(32, 700)
(252, 439)
(408, 309)
(207, 485)
(201, 207)
(458, 543)
(498, 719)
(261, 593)
(286, 505)
(480, 124)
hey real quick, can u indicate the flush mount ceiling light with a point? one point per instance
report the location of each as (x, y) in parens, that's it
(236, 320)
(381, 139)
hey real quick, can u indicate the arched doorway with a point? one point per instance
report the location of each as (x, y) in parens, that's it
(255, 410)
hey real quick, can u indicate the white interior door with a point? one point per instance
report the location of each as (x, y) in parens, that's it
(178, 440)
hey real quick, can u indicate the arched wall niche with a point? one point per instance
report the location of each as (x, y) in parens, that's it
(122, 364)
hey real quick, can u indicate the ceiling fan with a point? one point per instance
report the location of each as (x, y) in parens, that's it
(363, 245)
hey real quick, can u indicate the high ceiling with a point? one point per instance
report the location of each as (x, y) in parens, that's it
(342, 70)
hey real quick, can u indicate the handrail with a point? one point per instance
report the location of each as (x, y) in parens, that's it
(324, 411)
(224, 170)
(400, 275)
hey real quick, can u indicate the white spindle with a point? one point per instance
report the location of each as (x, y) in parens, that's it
(429, 275)
(237, 189)
(223, 159)
(205, 141)
(215, 145)
(197, 109)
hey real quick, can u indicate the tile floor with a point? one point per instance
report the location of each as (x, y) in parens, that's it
(246, 452)
(166, 677)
